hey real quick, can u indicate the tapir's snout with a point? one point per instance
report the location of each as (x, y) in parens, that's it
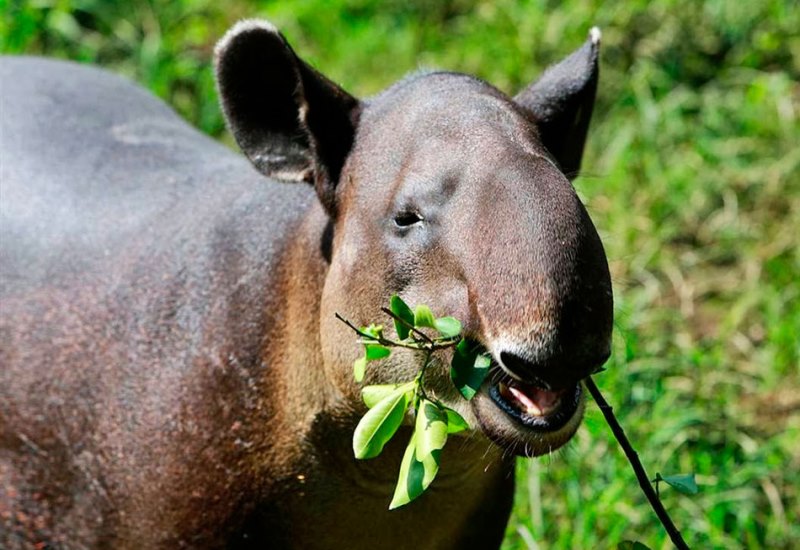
(545, 314)
(532, 402)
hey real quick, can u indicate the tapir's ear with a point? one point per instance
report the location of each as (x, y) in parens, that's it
(561, 101)
(291, 122)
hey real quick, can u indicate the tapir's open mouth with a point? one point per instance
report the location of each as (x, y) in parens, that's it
(535, 407)
(525, 418)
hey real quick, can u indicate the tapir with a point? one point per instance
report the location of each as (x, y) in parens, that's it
(172, 373)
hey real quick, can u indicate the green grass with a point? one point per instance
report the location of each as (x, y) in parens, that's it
(692, 176)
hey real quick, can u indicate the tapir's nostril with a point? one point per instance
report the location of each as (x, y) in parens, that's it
(554, 373)
(526, 370)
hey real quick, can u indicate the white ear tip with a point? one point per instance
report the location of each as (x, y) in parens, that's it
(595, 35)
(243, 25)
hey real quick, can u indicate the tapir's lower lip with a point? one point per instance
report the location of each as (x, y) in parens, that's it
(533, 407)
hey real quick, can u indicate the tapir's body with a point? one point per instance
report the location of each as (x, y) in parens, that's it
(130, 233)
(171, 372)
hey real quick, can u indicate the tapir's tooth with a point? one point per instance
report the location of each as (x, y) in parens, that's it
(535, 411)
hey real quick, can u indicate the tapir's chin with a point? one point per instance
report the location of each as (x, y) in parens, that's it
(525, 419)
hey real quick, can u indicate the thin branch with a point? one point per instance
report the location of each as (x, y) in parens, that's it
(381, 340)
(391, 343)
(432, 345)
(636, 464)
(421, 375)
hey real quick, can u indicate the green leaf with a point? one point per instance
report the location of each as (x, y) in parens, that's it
(430, 429)
(430, 466)
(359, 368)
(376, 351)
(431, 435)
(372, 395)
(409, 481)
(469, 368)
(423, 317)
(378, 426)
(455, 422)
(684, 483)
(448, 327)
(631, 545)
(401, 309)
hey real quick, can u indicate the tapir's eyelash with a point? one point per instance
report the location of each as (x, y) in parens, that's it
(407, 218)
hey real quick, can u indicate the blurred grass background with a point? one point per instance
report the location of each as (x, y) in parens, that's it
(692, 176)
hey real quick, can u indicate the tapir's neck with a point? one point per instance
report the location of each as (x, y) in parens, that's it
(292, 351)
(324, 494)
(313, 413)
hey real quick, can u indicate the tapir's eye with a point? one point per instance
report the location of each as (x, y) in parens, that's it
(407, 218)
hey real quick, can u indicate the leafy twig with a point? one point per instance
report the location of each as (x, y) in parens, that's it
(388, 404)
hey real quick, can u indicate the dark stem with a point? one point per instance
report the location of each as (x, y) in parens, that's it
(421, 375)
(636, 464)
(381, 340)
(424, 346)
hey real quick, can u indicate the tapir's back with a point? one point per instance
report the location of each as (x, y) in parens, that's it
(138, 263)
(93, 166)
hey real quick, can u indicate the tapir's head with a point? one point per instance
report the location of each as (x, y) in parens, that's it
(450, 193)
